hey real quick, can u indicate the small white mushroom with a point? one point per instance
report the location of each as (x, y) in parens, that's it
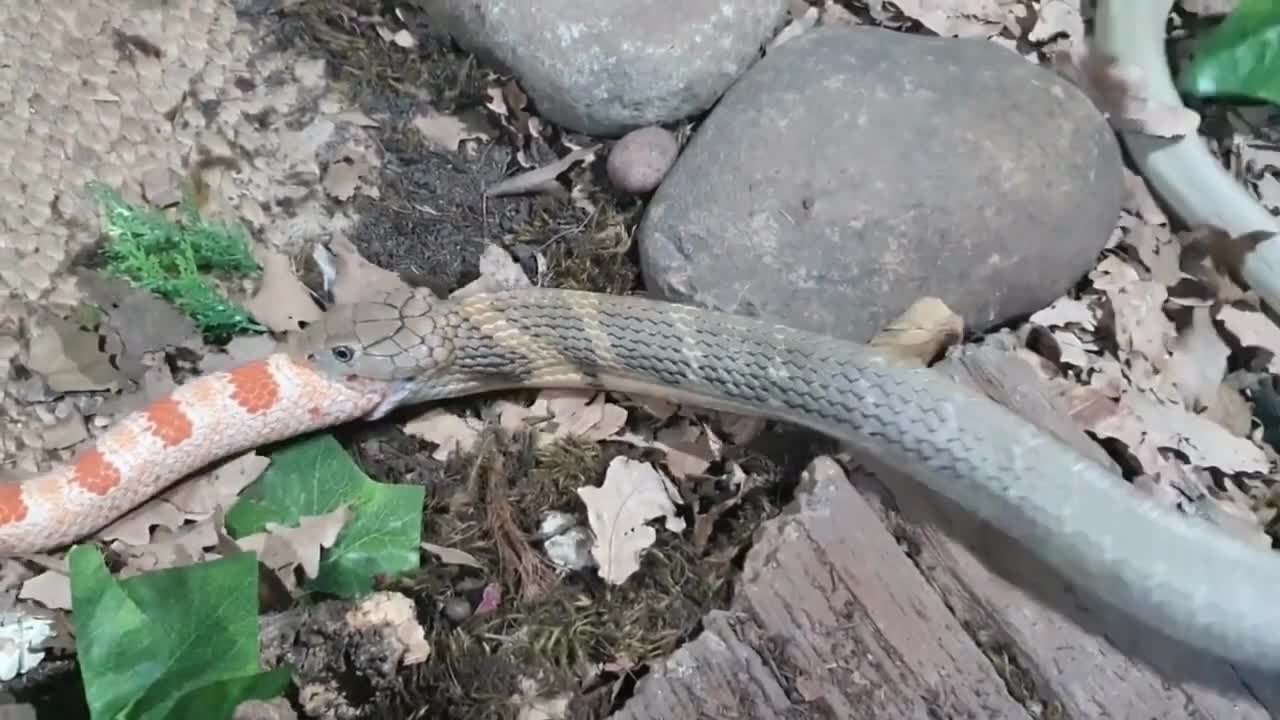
(638, 162)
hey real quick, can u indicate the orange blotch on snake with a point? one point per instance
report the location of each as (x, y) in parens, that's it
(169, 422)
(95, 473)
(255, 388)
(12, 507)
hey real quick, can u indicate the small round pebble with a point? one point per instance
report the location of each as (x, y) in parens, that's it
(457, 609)
(639, 161)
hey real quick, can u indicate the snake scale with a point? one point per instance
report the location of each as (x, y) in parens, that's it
(1178, 574)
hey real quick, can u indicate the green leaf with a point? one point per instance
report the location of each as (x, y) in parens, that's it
(1240, 57)
(316, 476)
(151, 643)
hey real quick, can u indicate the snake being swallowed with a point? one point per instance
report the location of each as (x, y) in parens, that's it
(1181, 575)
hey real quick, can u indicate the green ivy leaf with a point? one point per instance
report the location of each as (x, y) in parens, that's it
(150, 644)
(316, 476)
(1240, 57)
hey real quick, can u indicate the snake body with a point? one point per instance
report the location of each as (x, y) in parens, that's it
(1178, 574)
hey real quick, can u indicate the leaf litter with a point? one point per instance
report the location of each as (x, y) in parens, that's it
(1140, 374)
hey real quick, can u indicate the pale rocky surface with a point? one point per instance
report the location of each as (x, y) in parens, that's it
(853, 171)
(605, 67)
(81, 103)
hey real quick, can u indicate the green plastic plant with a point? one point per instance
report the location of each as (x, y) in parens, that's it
(314, 476)
(1240, 58)
(176, 644)
(174, 259)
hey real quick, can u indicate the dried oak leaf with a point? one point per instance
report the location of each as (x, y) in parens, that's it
(453, 556)
(282, 302)
(170, 548)
(446, 132)
(949, 18)
(633, 494)
(1057, 17)
(67, 358)
(1065, 312)
(1254, 329)
(197, 498)
(1158, 250)
(562, 413)
(1140, 323)
(283, 548)
(349, 276)
(1197, 365)
(348, 175)
(451, 433)
(50, 588)
(1146, 426)
(498, 271)
(137, 323)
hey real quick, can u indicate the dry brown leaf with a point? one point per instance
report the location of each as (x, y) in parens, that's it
(543, 179)
(1057, 17)
(921, 332)
(1074, 351)
(1197, 365)
(1231, 410)
(242, 349)
(453, 556)
(632, 494)
(447, 132)
(349, 175)
(197, 498)
(557, 414)
(1064, 312)
(352, 277)
(498, 271)
(168, 548)
(282, 301)
(659, 408)
(704, 523)
(67, 432)
(451, 433)
(1140, 323)
(1253, 329)
(50, 588)
(68, 359)
(1147, 426)
(948, 18)
(688, 447)
(281, 548)
(1267, 188)
(1159, 251)
(1119, 92)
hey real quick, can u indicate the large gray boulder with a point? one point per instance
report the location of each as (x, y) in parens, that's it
(604, 67)
(853, 171)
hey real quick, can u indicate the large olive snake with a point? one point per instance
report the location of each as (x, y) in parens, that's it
(1176, 573)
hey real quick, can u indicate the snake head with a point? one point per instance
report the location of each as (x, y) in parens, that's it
(402, 338)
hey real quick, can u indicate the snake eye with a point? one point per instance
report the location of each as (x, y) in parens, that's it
(343, 353)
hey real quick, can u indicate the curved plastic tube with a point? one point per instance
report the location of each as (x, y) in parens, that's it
(1182, 171)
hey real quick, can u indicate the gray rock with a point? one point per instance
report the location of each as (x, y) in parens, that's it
(604, 67)
(853, 171)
